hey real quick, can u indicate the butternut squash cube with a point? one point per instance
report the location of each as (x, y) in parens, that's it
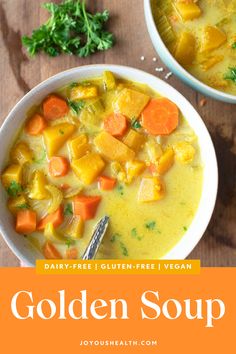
(79, 146)
(151, 189)
(188, 11)
(12, 173)
(134, 140)
(88, 167)
(134, 169)
(37, 189)
(109, 80)
(112, 148)
(56, 136)
(75, 228)
(213, 37)
(81, 92)
(185, 49)
(166, 161)
(16, 204)
(130, 102)
(21, 153)
(184, 152)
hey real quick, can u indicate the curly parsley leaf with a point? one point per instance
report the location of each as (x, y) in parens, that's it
(234, 45)
(135, 123)
(231, 74)
(68, 210)
(76, 106)
(71, 29)
(14, 189)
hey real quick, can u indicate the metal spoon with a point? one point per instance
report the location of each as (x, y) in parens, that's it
(96, 239)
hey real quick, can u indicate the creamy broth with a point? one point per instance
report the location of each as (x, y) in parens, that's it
(142, 225)
(212, 21)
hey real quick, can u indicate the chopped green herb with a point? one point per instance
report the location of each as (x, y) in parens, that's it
(69, 242)
(135, 123)
(134, 234)
(76, 106)
(42, 158)
(74, 84)
(23, 206)
(234, 45)
(14, 189)
(68, 209)
(71, 30)
(231, 74)
(61, 132)
(114, 237)
(120, 189)
(150, 225)
(185, 228)
(124, 249)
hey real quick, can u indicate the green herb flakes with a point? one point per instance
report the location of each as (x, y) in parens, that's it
(135, 123)
(76, 106)
(231, 75)
(124, 249)
(68, 210)
(150, 225)
(14, 189)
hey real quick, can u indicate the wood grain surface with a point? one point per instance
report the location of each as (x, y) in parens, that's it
(19, 74)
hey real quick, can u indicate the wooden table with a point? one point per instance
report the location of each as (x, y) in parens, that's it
(19, 74)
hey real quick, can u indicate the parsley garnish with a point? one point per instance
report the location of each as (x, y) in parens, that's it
(124, 249)
(14, 189)
(69, 242)
(185, 228)
(120, 189)
(150, 225)
(76, 106)
(71, 30)
(234, 45)
(135, 234)
(135, 123)
(23, 206)
(114, 237)
(68, 209)
(231, 75)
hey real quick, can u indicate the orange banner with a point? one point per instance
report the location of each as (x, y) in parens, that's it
(118, 313)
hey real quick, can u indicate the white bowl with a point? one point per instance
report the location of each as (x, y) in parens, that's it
(174, 66)
(20, 246)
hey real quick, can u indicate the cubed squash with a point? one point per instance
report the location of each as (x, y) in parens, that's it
(188, 11)
(75, 228)
(51, 234)
(211, 61)
(166, 161)
(79, 146)
(134, 140)
(184, 152)
(16, 204)
(118, 171)
(21, 153)
(12, 173)
(151, 189)
(109, 80)
(212, 38)
(56, 136)
(81, 92)
(37, 188)
(88, 167)
(134, 169)
(185, 49)
(112, 148)
(130, 103)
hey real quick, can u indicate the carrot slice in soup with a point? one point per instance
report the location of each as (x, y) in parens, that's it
(116, 124)
(106, 183)
(160, 116)
(72, 253)
(25, 221)
(35, 125)
(58, 166)
(86, 206)
(54, 107)
(50, 252)
(55, 218)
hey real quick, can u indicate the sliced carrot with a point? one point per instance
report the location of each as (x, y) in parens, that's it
(26, 221)
(58, 166)
(160, 116)
(54, 107)
(116, 124)
(55, 218)
(50, 252)
(35, 125)
(106, 183)
(72, 253)
(86, 206)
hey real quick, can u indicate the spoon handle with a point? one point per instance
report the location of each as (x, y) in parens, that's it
(96, 239)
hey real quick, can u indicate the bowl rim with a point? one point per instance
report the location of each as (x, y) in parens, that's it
(126, 71)
(178, 69)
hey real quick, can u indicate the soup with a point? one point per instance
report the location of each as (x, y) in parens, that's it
(201, 35)
(105, 146)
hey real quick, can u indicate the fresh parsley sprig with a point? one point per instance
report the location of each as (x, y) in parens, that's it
(71, 29)
(14, 189)
(76, 106)
(231, 74)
